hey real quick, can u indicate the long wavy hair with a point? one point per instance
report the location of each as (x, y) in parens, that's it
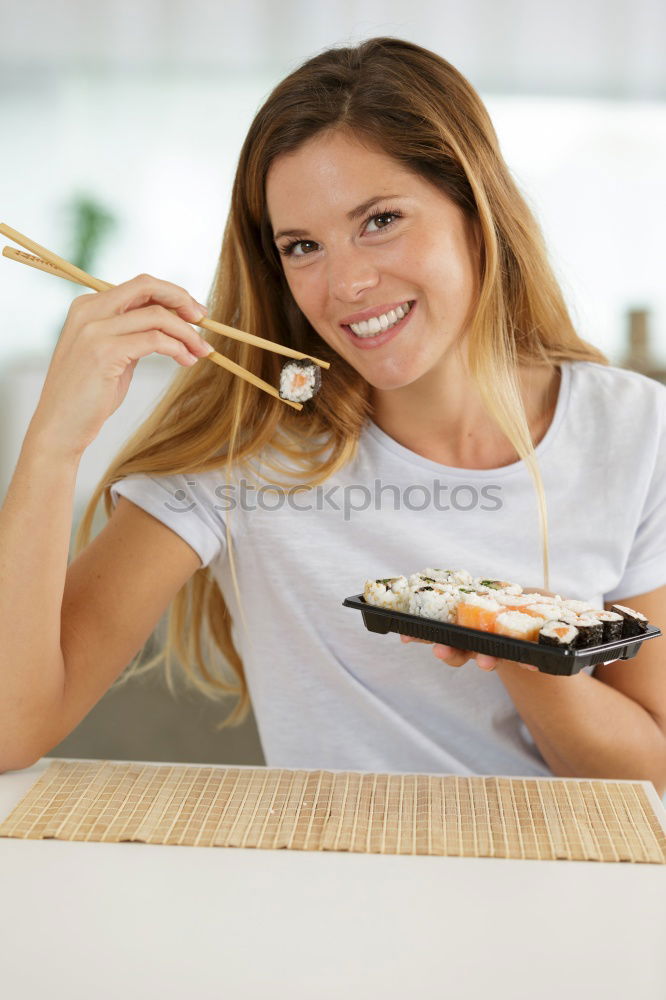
(417, 108)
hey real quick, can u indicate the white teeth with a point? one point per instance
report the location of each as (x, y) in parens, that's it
(371, 327)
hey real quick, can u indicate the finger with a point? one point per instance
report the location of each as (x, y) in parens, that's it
(454, 657)
(140, 345)
(140, 291)
(154, 317)
(410, 638)
(486, 662)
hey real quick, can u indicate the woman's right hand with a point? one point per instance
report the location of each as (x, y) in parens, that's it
(104, 336)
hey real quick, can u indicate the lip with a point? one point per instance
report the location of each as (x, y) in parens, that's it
(371, 313)
(365, 344)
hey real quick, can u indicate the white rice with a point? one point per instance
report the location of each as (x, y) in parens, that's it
(578, 607)
(546, 610)
(485, 601)
(457, 577)
(389, 592)
(516, 621)
(303, 392)
(433, 602)
(505, 588)
(517, 600)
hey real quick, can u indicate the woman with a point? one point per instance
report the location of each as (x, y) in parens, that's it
(373, 223)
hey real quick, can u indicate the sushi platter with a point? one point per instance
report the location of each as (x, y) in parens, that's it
(497, 618)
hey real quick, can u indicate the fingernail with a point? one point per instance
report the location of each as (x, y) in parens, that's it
(441, 650)
(207, 347)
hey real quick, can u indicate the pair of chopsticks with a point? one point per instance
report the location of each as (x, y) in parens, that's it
(61, 268)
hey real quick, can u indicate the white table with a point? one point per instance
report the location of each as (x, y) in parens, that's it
(89, 921)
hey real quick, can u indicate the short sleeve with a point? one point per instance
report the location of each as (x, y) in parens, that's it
(645, 569)
(185, 503)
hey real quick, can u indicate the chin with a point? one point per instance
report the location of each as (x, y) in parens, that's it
(385, 383)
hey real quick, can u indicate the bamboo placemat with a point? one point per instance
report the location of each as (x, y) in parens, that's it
(341, 811)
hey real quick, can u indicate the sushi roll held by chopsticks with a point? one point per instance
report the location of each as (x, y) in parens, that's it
(300, 380)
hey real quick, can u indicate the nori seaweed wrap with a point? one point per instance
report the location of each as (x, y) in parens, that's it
(634, 623)
(557, 633)
(612, 624)
(590, 632)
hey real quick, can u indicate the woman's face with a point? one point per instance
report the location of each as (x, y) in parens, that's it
(381, 263)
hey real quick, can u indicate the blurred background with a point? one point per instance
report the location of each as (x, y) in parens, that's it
(122, 124)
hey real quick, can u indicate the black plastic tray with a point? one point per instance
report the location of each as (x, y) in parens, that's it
(548, 659)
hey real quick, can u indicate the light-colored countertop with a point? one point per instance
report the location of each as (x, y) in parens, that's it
(127, 921)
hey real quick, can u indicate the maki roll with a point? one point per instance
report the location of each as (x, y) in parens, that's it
(483, 586)
(590, 631)
(517, 625)
(390, 592)
(633, 622)
(457, 577)
(558, 633)
(423, 579)
(433, 602)
(299, 380)
(477, 611)
(578, 607)
(516, 602)
(543, 609)
(611, 622)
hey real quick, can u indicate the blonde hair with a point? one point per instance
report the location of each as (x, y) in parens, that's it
(418, 109)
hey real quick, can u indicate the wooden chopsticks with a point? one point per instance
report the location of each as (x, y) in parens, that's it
(51, 263)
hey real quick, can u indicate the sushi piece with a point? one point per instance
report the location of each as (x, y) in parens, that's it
(477, 611)
(422, 579)
(569, 617)
(611, 622)
(433, 602)
(390, 592)
(578, 607)
(458, 577)
(543, 609)
(634, 623)
(558, 633)
(516, 602)
(518, 625)
(299, 380)
(590, 631)
(499, 585)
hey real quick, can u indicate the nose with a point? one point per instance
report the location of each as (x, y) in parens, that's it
(351, 272)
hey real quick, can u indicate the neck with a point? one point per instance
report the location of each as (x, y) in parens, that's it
(442, 416)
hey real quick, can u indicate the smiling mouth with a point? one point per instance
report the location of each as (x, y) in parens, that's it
(379, 324)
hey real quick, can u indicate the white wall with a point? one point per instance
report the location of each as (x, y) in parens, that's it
(144, 107)
(593, 48)
(160, 155)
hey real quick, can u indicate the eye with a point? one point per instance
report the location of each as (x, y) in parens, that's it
(291, 249)
(382, 221)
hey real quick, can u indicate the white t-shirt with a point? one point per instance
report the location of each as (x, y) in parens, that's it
(329, 694)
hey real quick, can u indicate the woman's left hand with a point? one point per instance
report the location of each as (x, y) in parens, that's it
(456, 657)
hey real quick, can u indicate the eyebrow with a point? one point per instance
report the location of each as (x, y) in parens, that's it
(355, 213)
